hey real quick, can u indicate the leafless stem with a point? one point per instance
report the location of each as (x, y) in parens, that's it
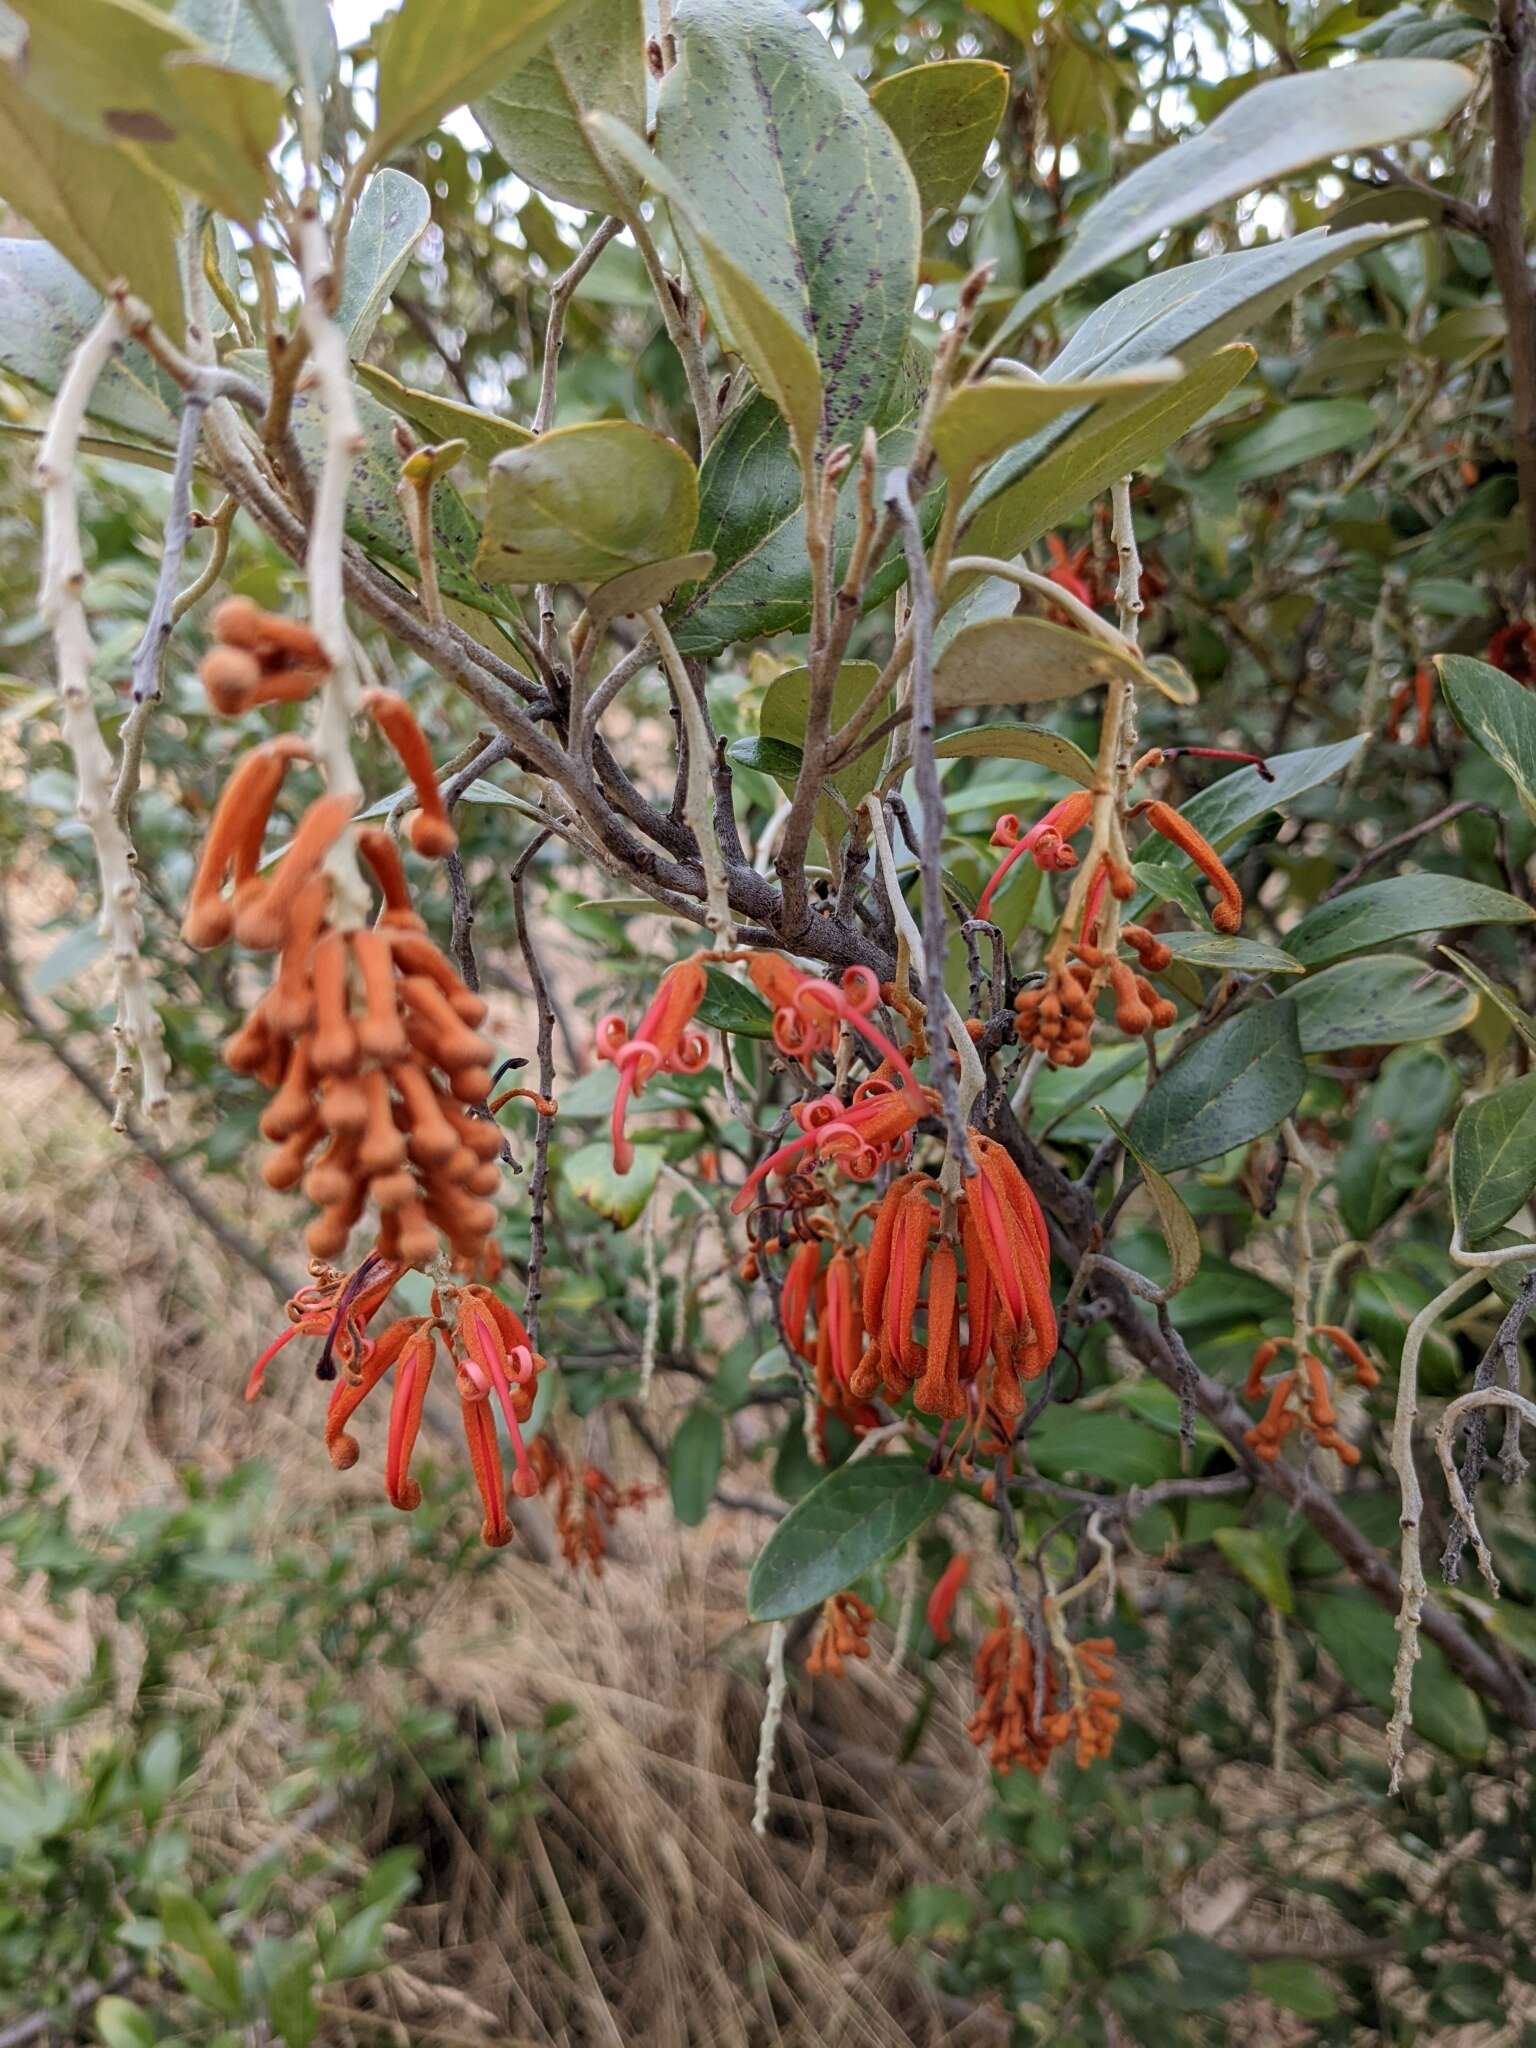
(538, 1184)
(561, 292)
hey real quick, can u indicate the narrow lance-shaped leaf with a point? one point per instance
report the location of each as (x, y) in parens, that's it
(1279, 126)
(978, 422)
(1173, 1218)
(391, 218)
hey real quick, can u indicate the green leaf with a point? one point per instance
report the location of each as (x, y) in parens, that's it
(857, 1516)
(1395, 909)
(1490, 990)
(1188, 312)
(1493, 1159)
(1360, 1638)
(1029, 661)
(106, 217)
(121, 2024)
(1387, 999)
(1114, 441)
(1173, 1219)
(618, 1196)
(444, 419)
(1278, 126)
(1227, 1089)
(790, 170)
(637, 590)
(1160, 881)
(693, 1463)
(291, 2005)
(979, 422)
(751, 517)
(1070, 1442)
(1255, 1556)
(1292, 435)
(1494, 710)
(1228, 955)
(769, 341)
(1391, 1136)
(1297, 1987)
(786, 706)
(731, 1005)
(944, 116)
(594, 62)
(391, 218)
(1019, 743)
(583, 504)
(189, 1927)
(768, 757)
(119, 72)
(436, 54)
(1224, 810)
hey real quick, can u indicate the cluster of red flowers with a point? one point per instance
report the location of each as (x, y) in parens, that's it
(1301, 1398)
(586, 1505)
(996, 1281)
(1017, 1689)
(492, 1357)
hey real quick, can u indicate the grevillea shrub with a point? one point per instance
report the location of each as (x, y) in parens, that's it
(947, 693)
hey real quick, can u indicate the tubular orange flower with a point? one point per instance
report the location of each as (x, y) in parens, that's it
(1228, 913)
(875, 1127)
(1015, 1715)
(233, 843)
(946, 1591)
(662, 1044)
(1046, 840)
(431, 830)
(796, 1295)
(1365, 1372)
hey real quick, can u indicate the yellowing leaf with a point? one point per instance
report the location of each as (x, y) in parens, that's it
(584, 504)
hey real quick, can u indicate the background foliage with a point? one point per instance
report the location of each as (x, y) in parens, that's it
(257, 1787)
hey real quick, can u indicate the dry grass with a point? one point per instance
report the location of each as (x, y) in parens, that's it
(639, 1906)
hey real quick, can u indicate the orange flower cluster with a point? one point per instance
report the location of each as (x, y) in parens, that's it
(585, 1508)
(819, 1315)
(843, 1632)
(1301, 1398)
(492, 1357)
(367, 1037)
(998, 1280)
(260, 658)
(1094, 1716)
(1017, 1712)
(1015, 1716)
(1056, 1018)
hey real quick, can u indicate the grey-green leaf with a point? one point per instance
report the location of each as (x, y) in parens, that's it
(1382, 911)
(585, 503)
(1229, 955)
(945, 116)
(1494, 710)
(1035, 743)
(1293, 434)
(1386, 999)
(1029, 661)
(1173, 1218)
(444, 419)
(803, 184)
(433, 55)
(1226, 1090)
(391, 218)
(1278, 126)
(48, 308)
(595, 62)
(856, 1517)
(1493, 1159)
